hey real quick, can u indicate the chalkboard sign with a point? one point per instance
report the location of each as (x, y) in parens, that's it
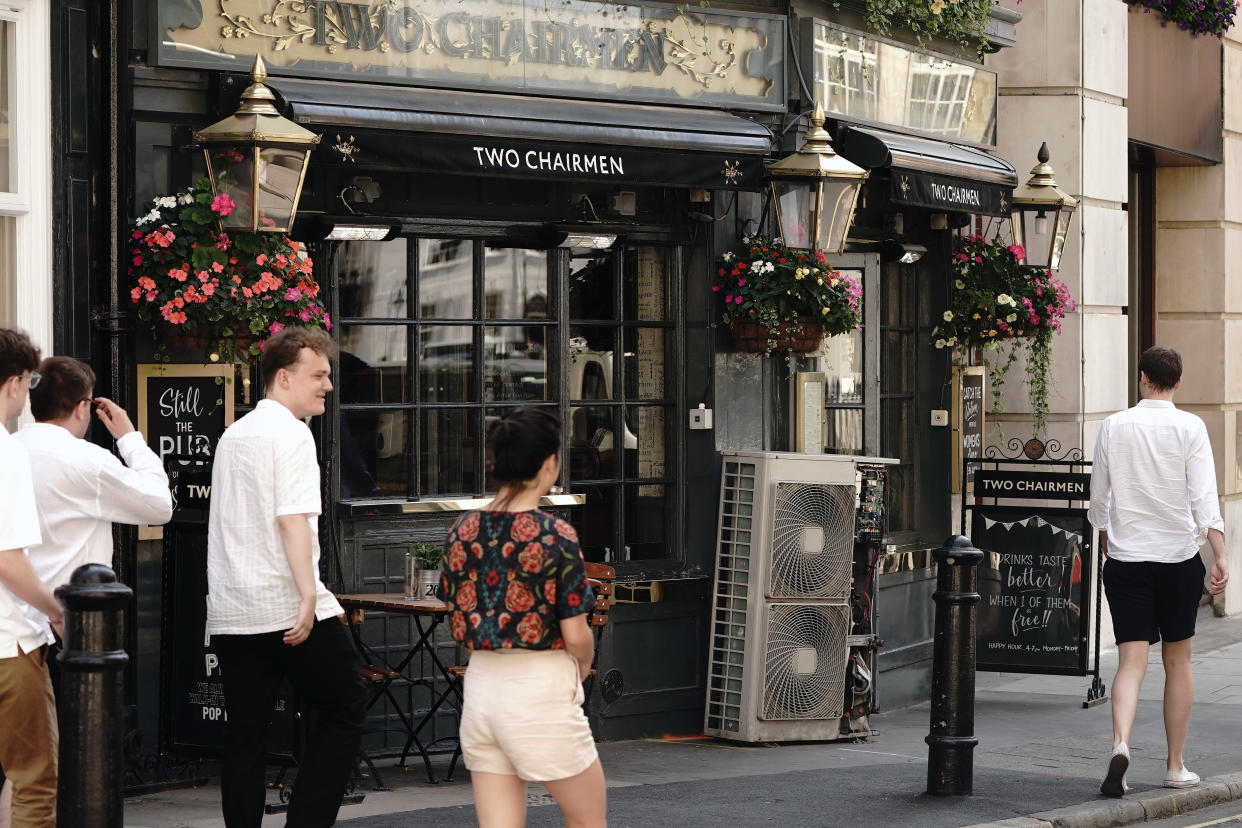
(182, 411)
(194, 711)
(968, 419)
(1034, 586)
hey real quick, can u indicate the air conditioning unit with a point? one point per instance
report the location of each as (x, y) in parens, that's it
(782, 618)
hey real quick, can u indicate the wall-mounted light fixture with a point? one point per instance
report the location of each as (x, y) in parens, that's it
(895, 251)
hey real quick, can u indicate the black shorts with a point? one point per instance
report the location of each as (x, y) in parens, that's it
(1151, 600)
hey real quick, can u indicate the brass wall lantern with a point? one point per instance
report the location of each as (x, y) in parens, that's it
(258, 158)
(1042, 212)
(815, 191)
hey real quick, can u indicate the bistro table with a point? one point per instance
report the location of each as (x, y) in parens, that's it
(427, 614)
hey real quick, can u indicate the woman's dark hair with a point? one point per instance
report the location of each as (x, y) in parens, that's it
(520, 441)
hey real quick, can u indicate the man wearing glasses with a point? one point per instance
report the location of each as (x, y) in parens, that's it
(28, 742)
(81, 488)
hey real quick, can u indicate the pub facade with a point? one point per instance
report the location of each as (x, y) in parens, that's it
(519, 204)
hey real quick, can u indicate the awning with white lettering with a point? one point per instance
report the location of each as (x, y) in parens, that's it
(366, 126)
(939, 175)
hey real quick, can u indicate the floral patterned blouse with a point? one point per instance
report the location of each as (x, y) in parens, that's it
(510, 577)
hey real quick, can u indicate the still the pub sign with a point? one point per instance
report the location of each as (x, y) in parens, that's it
(673, 54)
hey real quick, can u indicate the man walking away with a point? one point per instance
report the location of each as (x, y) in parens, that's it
(28, 735)
(268, 614)
(81, 488)
(1153, 500)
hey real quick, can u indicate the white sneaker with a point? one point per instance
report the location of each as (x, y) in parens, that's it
(1114, 783)
(1182, 778)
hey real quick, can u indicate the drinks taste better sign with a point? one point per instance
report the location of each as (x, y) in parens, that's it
(699, 56)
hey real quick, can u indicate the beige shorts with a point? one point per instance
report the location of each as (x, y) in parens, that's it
(523, 716)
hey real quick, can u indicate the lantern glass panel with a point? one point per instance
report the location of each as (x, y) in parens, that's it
(1017, 228)
(1037, 237)
(232, 174)
(837, 210)
(1062, 220)
(280, 173)
(794, 209)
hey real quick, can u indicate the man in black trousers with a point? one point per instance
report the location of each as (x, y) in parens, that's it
(268, 614)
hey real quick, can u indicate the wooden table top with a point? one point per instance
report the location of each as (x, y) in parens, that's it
(392, 602)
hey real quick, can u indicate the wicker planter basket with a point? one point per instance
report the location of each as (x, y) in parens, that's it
(802, 337)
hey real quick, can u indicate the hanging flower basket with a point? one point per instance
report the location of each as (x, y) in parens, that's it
(199, 339)
(802, 336)
(779, 299)
(216, 294)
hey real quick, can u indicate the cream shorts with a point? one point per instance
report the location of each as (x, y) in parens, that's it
(522, 715)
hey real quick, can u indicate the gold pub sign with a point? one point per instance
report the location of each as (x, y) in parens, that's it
(660, 54)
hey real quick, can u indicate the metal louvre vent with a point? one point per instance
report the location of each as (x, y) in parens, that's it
(805, 656)
(733, 559)
(812, 541)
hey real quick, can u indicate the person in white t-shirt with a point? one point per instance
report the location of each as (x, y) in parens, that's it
(269, 615)
(1153, 500)
(28, 748)
(81, 488)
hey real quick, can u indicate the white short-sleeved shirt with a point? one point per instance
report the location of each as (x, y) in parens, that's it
(80, 489)
(1153, 484)
(264, 467)
(19, 529)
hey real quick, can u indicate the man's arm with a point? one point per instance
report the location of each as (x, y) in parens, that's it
(19, 577)
(296, 537)
(136, 491)
(1219, 576)
(1101, 487)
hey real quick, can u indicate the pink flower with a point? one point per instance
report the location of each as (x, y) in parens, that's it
(222, 204)
(721, 272)
(737, 300)
(327, 322)
(137, 261)
(715, 288)
(961, 257)
(217, 267)
(304, 314)
(137, 234)
(978, 260)
(728, 298)
(135, 294)
(293, 294)
(260, 259)
(275, 327)
(1017, 251)
(741, 283)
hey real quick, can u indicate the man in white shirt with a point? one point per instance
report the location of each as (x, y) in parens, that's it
(1153, 500)
(28, 734)
(268, 613)
(81, 489)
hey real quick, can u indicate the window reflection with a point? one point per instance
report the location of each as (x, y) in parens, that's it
(374, 455)
(445, 279)
(371, 281)
(446, 363)
(515, 284)
(448, 446)
(592, 287)
(373, 364)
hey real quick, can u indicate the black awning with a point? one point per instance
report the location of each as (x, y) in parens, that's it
(369, 126)
(934, 174)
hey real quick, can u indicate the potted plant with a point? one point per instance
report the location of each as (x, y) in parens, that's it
(998, 304)
(1212, 17)
(776, 298)
(199, 288)
(422, 570)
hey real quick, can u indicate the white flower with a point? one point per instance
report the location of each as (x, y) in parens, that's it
(728, 256)
(948, 316)
(1004, 299)
(1013, 317)
(940, 343)
(154, 215)
(959, 284)
(141, 221)
(745, 239)
(952, 341)
(937, 6)
(167, 202)
(185, 198)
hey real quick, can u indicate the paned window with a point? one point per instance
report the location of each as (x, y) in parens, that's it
(438, 337)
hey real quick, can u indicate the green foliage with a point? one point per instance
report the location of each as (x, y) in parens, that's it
(427, 556)
(961, 21)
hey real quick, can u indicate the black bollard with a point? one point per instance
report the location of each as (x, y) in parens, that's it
(951, 742)
(91, 727)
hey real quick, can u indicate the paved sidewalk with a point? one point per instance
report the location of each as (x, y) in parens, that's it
(1040, 754)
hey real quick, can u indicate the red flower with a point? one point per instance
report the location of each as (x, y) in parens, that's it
(468, 529)
(503, 620)
(456, 556)
(566, 531)
(507, 549)
(492, 578)
(530, 628)
(466, 598)
(518, 597)
(457, 622)
(525, 528)
(573, 599)
(532, 557)
(549, 590)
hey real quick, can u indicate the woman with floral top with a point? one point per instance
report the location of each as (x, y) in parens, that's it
(518, 599)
